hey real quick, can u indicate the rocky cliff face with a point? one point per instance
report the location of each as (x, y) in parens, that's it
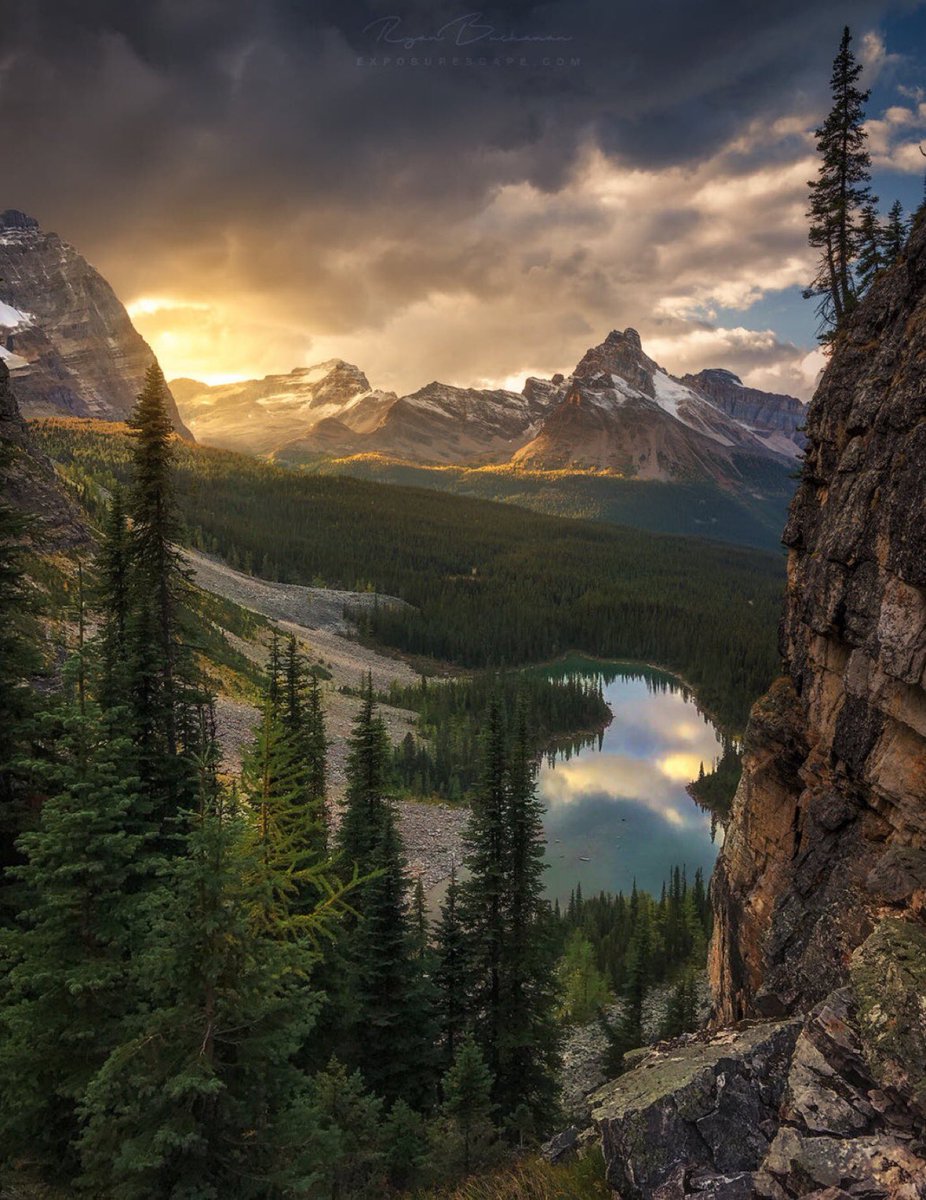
(829, 827)
(64, 334)
(812, 1081)
(32, 485)
(774, 417)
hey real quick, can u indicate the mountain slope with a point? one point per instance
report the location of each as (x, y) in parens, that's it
(256, 415)
(438, 424)
(620, 411)
(32, 485)
(65, 336)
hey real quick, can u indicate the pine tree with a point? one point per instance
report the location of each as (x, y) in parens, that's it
(895, 233)
(483, 896)
(113, 573)
(339, 1127)
(18, 662)
(394, 1032)
(367, 798)
(297, 696)
(528, 1053)
(582, 986)
(468, 1134)
(68, 987)
(164, 688)
(451, 975)
(405, 1146)
(197, 1100)
(840, 192)
(871, 256)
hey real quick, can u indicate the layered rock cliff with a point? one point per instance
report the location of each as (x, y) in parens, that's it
(829, 826)
(812, 1080)
(64, 334)
(31, 483)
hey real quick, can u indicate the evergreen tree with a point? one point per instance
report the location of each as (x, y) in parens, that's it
(467, 1134)
(483, 896)
(405, 1146)
(528, 1053)
(367, 799)
(297, 696)
(840, 192)
(68, 986)
(164, 694)
(394, 1031)
(339, 1132)
(18, 661)
(197, 1099)
(582, 986)
(871, 256)
(113, 574)
(895, 233)
(451, 976)
(682, 1012)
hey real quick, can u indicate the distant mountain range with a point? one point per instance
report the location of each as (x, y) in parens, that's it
(65, 337)
(617, 420)
(618, 412)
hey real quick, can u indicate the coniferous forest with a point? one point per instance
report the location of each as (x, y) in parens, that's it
(482, 579)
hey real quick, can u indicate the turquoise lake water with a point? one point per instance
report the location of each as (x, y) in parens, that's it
(617, 810)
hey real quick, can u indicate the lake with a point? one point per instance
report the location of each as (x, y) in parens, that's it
(617, 809)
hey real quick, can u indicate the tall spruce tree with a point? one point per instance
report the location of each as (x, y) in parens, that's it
(511, 947)
(451, 975)
(483, 896)
(300, 707)
(467, 1133)
(389, 1033)
(367, 799)
(68, 988)
(164, 689)
(528, 1055)
(113, 586)
(197, 1098)
(18, 661)
(895, 233)
(840, 193)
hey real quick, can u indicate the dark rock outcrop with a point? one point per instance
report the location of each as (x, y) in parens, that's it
(66, 337)
(829, 824)
(31, 484)
(785, 1109)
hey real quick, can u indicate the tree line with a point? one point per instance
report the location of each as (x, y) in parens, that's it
(443, 760)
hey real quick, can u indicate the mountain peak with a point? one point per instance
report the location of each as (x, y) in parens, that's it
(12, 218)
(621, 353)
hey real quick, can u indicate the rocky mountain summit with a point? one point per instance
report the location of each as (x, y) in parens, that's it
(776, 419)
(812, 1080)
(64, 335)
(618, 411)
(257, 415)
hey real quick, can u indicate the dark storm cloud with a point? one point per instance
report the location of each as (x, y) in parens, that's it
(224, 146)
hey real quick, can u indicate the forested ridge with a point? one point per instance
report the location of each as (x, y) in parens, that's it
(491, 585)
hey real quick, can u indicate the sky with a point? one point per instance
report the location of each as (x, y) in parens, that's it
(434, 191)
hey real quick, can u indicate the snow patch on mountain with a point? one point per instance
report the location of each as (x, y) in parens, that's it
(14, 318)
